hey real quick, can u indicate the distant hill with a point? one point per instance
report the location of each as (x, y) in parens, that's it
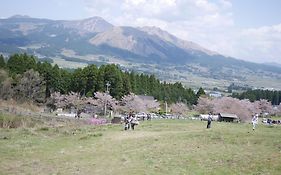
(273, 64)
(145, 49)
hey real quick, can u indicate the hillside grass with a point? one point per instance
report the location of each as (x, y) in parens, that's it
(155, 147)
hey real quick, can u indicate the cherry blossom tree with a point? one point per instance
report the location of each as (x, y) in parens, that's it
(179, 108)
(204, 105)
(67, 101)
(244, 109)
(265, 106)
(132, 102)
(104, 101)
(151, 105)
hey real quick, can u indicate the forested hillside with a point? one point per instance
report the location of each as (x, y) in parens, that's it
(273, 96)
(23, 77)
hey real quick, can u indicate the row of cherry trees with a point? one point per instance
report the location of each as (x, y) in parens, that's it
(127, 103)
(244, 109)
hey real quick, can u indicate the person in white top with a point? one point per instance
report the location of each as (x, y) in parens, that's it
(255, 120)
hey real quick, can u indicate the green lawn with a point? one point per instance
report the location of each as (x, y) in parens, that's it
(156, 147)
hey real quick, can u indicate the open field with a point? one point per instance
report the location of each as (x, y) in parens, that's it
(155, 147)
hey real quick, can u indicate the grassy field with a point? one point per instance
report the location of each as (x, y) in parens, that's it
(155, 147)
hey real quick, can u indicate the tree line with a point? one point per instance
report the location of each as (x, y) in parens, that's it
(21, 72)
(253, 95)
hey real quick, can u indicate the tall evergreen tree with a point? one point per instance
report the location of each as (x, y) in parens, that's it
(91, 75)
(200, 92)
(100, 86)
(133, 82)
(2, 62)
(127, 87)
(113, 76)
(45, 70)
(20, 63)
(79, 81)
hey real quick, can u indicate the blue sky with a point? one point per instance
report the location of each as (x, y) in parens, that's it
(245, 29)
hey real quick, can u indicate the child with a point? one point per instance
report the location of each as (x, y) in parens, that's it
(255, 121)
(127, 122)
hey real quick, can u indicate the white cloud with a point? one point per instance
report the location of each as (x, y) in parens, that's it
(225, 4)
(208, 23)
(206, 6)
(261, 44)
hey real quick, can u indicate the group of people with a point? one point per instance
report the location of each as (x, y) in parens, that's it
(255, 120)
(130, 121)
(271, 121)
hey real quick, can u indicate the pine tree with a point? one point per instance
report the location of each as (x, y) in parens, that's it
(20, 63)
(127, 88)
(200, 92)
(2, 62)
(91, 74)
(113, 76)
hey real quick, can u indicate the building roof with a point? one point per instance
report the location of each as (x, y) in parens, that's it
(226, 115)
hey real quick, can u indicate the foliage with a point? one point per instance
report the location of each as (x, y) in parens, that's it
(67, 100)
(6, 91)
(179, 108)
(2, 62)
(20, 63)
(27, 86)
(104, 99)
(277, 111)
(135, 103)
(200, 92)
(244, 109)
(30, 87)
(204, 105)
(91, 79)
(273, 96)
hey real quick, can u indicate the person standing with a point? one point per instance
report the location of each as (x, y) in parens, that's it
(255, 121)
(209, 121)
(134, 122)
(127, 122)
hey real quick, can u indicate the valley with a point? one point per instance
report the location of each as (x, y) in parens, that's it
(78, 43)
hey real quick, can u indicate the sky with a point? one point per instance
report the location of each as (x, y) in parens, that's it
(244, 29)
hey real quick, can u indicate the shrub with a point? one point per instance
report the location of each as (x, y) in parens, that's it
(10, 121)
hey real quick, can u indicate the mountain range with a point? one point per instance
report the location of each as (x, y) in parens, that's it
(145, 49)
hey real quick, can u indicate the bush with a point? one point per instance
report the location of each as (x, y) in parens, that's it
(9, 121)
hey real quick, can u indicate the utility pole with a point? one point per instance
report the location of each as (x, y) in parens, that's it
(166, 106)
(107, 92)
